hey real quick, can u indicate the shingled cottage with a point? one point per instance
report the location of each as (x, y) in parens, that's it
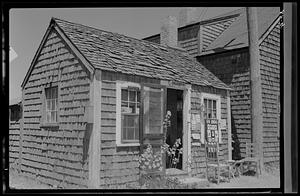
(91, 100)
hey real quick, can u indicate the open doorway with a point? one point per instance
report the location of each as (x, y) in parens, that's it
(175, 131)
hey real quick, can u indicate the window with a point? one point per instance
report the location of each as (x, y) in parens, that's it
(51, 105)
(210, 108)
(128, 103)
(130, 112)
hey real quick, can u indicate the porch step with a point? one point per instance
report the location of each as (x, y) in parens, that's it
(173, 172)
(184, 178)
(195, 183)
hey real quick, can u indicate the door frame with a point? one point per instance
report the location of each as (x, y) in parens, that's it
(186, 135)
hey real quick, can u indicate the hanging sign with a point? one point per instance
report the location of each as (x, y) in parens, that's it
(212, 134)
(195, 121)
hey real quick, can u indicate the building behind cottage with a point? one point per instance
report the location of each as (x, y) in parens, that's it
(221, 45)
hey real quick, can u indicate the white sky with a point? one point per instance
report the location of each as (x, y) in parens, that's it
(27, 28)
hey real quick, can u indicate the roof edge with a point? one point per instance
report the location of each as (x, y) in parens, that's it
(55, 26)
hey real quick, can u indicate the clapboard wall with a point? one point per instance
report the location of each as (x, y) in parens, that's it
(56, 156)
(270, 77)
(198, 165)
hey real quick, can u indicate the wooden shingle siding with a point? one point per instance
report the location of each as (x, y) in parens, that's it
(14, 143)
(211, 32)
(198, 152)
(270, 76)
(56, 156)
(190, 45)
(233, 69)
(119, 165)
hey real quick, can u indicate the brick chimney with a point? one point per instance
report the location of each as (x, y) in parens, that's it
(168, 35)
(187, 16)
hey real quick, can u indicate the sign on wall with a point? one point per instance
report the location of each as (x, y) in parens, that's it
(212, 131)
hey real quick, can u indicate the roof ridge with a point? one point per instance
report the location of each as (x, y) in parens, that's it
(145, 41)
(166, 53)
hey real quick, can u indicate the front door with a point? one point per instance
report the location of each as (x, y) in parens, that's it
(154, 110)
(175, 130)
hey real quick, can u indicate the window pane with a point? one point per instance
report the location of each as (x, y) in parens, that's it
(130, 120)
(53, 116)
(124, 95)
(48, 105)
(209, 104)
(132, 107)
(130, 132)
(214, 114)
(138, 96)
(124, 108)
(124, 121)
(124, 130)
(136, 133)
(48, 118)
(54, 93)
(214, 104)
(209, 113)
(136, 122)
(53, 104)
(132, 96)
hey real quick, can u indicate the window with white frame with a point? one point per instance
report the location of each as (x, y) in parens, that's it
(128, 113)
(51, 104)
(212, 110)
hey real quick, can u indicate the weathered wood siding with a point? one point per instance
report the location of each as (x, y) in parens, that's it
(211, 31)
(270, 76)
(56, 156)
(190, 45)
(198, 165)
(119, 165)
(233, 69)
(14, 143)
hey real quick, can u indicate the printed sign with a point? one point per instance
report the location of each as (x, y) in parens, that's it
(196, 124)
(212, 130)
(223, 124)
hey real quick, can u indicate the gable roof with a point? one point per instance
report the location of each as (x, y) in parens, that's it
(236, 36)
(118, 53)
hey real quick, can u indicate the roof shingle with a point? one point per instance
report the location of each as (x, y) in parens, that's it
(119, 53)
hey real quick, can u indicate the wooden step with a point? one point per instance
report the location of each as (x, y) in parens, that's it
(195, 183)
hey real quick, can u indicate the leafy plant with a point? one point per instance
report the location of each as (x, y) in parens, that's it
(174, 154)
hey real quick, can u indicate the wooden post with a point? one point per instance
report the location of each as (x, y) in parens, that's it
(256, 94)
(95, 140)
(229, 127)
(290, 100)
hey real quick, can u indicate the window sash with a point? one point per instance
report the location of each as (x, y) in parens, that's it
(126, 128)
(51, 108)
(130, 107)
